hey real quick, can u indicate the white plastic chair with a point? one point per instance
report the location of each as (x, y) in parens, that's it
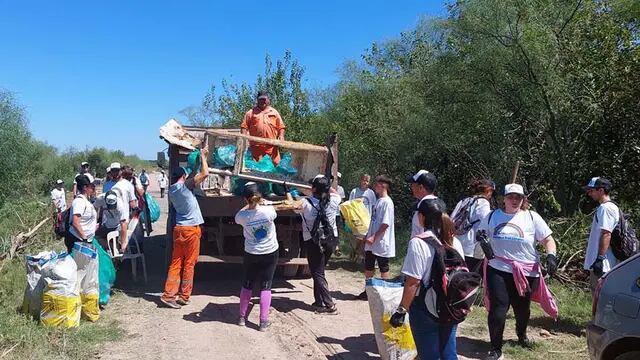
(112, 241)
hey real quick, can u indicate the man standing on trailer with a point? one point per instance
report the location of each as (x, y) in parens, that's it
(265, 122)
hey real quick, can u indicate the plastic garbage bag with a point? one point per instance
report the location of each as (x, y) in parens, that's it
(356, 216)
(393, 343)
(86, 258)
(193, 161)
(265, 164)
(224, 156)
(61, 298)
(106, 274)
(32, 301)
(154, 208)
(285, 166)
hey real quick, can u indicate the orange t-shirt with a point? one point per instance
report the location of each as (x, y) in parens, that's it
(264, 124)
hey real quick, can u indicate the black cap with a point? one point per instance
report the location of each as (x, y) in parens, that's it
(424, 178)
(82, 181)
(178, 173)
(250, 189)
(432, 207)
(598, 183)
(320, 182)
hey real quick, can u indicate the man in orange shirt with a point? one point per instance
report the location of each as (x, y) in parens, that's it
(265, 122)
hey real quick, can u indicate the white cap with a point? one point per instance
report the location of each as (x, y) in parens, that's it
(339, 175)
(115, 165)
(84, 163)
(111, 199)
(59, 182)
(513, 189)
(418, 174)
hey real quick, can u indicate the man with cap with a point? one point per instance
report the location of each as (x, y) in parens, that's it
(58, 197)
(265, 122)
(162, 183)
(113, 214)
(108, 180)
(599, 258)
(123, 187)
(186, 234)
(84, 170)
(423, 186)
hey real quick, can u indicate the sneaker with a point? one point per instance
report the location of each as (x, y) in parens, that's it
(241, 321)
(362, 296)
(264, 325)
(183, 302)
(494, 355)
(317, 304)
(170, 303)
(328, 310)
(526, 343)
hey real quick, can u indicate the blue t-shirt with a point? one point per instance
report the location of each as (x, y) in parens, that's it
(108, 185)
(186, 205)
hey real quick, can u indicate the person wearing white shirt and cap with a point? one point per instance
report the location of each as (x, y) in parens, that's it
(162, 183)
(84, 170)
(58, 197)
(423, 187)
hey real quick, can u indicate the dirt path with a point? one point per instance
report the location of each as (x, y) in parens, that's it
(206, 328)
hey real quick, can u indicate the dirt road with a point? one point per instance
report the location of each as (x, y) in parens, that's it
(206, 328)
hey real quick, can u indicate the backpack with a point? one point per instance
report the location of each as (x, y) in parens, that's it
(624, 243)
(144, 179)
(461, 216)
(452, 285)
(62, 225)
(322, 232)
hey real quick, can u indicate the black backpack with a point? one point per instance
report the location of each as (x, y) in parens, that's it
(62, 225)
(462, 218)
(624, 243)
(454, 287)
(322, 232)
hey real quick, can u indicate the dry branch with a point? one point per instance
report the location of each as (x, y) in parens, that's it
(19, 241)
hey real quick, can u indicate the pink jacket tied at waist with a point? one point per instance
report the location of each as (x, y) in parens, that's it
(542, 295)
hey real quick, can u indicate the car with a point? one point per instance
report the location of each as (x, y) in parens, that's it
(614, 331)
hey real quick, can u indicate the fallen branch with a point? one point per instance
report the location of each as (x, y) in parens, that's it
(563, 268)
(567, 352)
(19, 241)
(9, 350)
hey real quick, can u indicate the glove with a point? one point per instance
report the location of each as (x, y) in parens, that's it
(485, 244)
(598, 266)
(552, 264)
(397, 319)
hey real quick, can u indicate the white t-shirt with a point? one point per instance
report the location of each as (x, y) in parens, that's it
(112, 218)
(416, 228)
(88, 217)
(419, 259)
(514, 237)
(259, 229)
(606, 217)
(477, 212)
(125, 188)
(59, 200)
(162, 181)
(309, 214)
(383, 213)
(368, 198)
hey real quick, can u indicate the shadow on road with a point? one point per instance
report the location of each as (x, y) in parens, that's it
(357, 347)
(472, 348)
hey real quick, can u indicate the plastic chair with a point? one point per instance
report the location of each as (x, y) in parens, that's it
(112, 240)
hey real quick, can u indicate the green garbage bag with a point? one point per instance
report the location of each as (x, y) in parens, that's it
(154, 208)
(224, 156)
(285, 166)
(106, 274)
(265, 164)
(193, 161)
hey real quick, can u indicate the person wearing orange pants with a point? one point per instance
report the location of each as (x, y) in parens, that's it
(186, 234)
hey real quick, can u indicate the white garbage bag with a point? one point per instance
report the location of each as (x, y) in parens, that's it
(393, 343)
(60, 299)
(32, 301)
(86, 258)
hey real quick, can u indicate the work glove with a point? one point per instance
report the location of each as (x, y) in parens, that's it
(552, 264)
(485, 244)
(598, 266)
(397, 319)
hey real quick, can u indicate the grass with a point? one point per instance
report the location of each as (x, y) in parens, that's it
(23, 338)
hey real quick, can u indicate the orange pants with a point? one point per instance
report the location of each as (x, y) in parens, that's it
(260, 150)
(186, 248)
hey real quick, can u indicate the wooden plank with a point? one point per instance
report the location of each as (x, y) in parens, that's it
(280, 143)
(239, 259)
(240, 150)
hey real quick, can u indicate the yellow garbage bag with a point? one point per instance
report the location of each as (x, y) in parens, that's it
(356, 216)
(60, 298)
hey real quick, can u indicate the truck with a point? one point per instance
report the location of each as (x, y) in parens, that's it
(222, 240)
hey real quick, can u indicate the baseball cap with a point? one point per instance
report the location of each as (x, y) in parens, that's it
(82, 181)
(84, 163)
(115, 166)
(431, 207)
(178, 173)
(250, 189)
(59, 182)
(424, 178)
(598, 183)
(111, 199)
(513, 189)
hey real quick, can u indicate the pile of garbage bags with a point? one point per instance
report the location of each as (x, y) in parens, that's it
(63, 288)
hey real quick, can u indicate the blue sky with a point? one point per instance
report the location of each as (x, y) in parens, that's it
(110, 73)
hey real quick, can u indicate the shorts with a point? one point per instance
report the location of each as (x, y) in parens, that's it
(370, 262)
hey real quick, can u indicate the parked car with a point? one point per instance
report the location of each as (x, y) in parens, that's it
(614, 331)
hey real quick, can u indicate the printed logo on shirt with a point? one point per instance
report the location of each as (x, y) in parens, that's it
(259, 229)
(508, 232)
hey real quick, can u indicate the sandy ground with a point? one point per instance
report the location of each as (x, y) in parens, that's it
(206, 328)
